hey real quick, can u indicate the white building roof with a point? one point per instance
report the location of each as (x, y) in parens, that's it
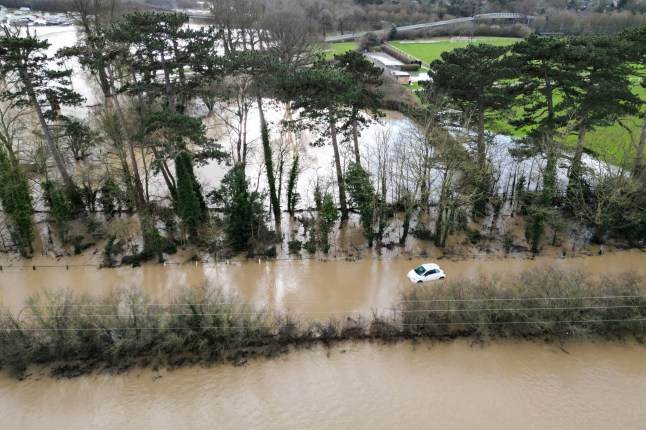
(385, 59)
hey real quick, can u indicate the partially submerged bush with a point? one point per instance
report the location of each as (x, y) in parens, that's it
(539, 303)
(129, 327)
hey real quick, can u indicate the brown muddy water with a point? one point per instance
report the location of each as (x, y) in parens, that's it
(355, 386)
(312, 289)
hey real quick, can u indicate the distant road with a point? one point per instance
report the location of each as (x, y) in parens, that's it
(352, 36)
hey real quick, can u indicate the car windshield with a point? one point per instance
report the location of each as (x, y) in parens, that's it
(420, 270)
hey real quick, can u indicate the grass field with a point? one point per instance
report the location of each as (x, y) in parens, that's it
(340, 48)
(610, 143)
(432, 49)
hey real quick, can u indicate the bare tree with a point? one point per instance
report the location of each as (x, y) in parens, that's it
(238, 21)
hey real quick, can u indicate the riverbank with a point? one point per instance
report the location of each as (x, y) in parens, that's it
(78, 334)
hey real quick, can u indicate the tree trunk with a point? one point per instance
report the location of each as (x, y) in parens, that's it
(166, 173)
(482, 150)
(549, 177)
(105, 86)
(53, 149)
(405, 228)
(339, 172)
(170, 97)
(639, 156)
(269, 164)
(574, 176)
(439, 224)
(139, 197)
(355, 138)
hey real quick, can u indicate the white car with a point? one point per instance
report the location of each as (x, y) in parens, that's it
(426, 272)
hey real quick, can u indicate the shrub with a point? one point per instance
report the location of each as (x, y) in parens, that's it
(294, 245)
(422, 232)
(410, 67)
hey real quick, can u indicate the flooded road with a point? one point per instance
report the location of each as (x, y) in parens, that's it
(365, 385)
(312, 288)
(358, 386)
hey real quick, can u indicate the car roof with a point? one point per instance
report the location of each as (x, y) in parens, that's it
(429, 266)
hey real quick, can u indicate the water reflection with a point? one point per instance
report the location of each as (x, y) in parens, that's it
(309, 287)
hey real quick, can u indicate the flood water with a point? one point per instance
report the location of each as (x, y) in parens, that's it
(355, 386)
(312, 288)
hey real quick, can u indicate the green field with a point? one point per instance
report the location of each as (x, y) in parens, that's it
(610, 143)
(431, 50)
(340, 48)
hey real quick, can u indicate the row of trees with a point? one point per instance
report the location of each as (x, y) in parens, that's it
(151, 68)
(554, 87)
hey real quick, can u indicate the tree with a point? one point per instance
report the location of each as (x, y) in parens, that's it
(241, 209)
(266, 71)
(158, 50)
(288, 34)
(24, 65)
(15, 194)
(189, 203)
(363, 194)
(474, 78)
(599, 95)
(327, 217)
(237, 20)
(541, 74)
(92, 17)
(637, 38)
(292, 195)
(78, 137)
(183, 139)
(365, 99)
(325, 96)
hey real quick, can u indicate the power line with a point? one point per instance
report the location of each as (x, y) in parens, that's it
(498, 299)
(493, 299)
(479, 323)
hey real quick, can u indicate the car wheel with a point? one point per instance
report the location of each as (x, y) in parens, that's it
(443, 278)
(419, 282)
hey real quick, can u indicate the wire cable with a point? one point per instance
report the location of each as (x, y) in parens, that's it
(425, 324)
(494, 299)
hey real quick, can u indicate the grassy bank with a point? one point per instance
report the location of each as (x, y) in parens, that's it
(78, 334)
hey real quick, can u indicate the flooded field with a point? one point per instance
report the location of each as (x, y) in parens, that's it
(352, 385)
(362, 386)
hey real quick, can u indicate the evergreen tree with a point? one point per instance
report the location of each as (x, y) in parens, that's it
(364, 99)
(363, 194)
(474, 79)
(16, 202)
(24, 65)
(599, 95)
(189, 204)
(241, 208)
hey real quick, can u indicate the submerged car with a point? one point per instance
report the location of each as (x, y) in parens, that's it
(426, 272)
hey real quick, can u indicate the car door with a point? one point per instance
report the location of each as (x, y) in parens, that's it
(432, 275)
